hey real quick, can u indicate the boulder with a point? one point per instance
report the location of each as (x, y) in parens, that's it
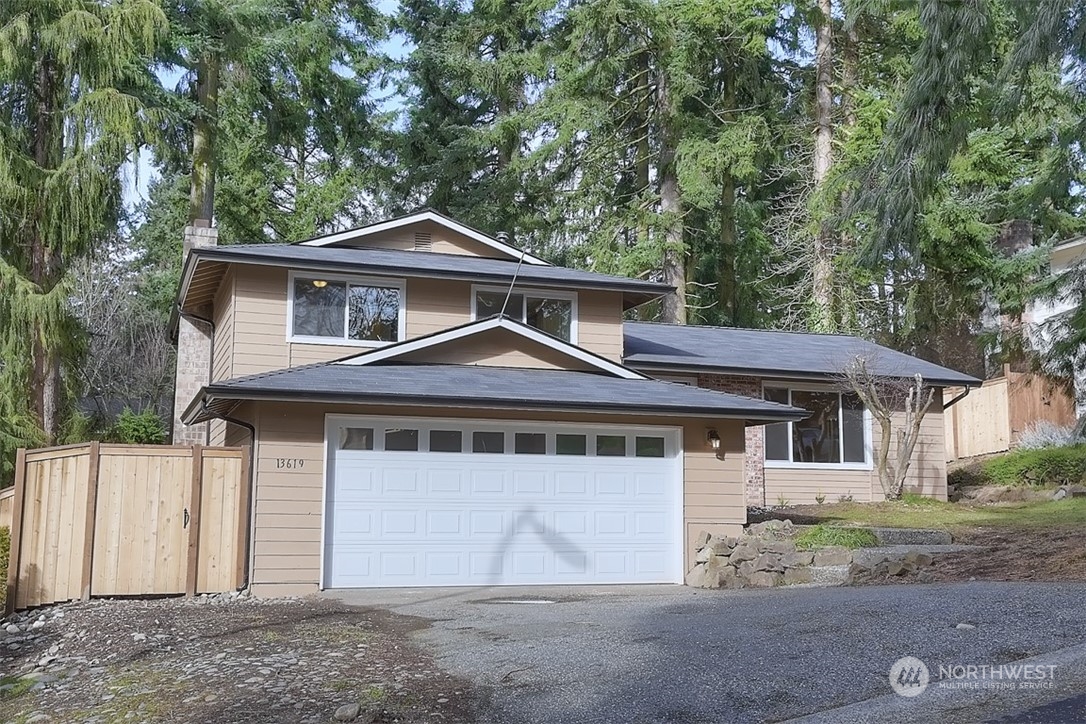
(793, 576)
(743, 552)
(696, 576)
(780, 547)
(702, 539)
(768, 562)
(896, 568)
(746, 569)
(798, 558)
(709, 574)
(729, 578)
(703, 555)
(765, 579)
(347, 712)
(833, 556)
(918, 559)
(722, 546)
(772, 529)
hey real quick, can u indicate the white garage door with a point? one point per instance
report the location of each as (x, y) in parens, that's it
(442, 503)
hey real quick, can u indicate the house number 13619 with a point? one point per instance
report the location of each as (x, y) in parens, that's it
(289, 463)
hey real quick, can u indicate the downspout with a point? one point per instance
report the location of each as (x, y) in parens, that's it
(957, 399)
(249, 484)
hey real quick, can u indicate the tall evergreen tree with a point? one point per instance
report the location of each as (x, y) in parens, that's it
(71, 79)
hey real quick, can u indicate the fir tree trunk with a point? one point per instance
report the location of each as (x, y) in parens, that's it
(821, 317)
(727, 289)
(202, 199)
(673, 309)
(45, 382)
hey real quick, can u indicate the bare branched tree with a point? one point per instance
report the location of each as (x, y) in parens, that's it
(129, 358)
(898, 404)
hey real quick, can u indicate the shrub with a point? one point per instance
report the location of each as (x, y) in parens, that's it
(139, 428)
(825, 534)
(1043, 434)
(1045, 466)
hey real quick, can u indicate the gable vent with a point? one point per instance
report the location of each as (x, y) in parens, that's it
(423, 241)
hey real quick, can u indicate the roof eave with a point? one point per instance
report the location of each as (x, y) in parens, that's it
(696, 368)
(639, 292)
(212, 393)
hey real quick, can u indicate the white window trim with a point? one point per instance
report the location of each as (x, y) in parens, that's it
(868, 465)
(384, 282)
(525, 293)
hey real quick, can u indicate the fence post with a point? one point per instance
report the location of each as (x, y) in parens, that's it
(93, 464)
(244, 502)
(196, 492)
(15, 534)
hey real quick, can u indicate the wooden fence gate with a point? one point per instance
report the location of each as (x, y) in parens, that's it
(124, 520)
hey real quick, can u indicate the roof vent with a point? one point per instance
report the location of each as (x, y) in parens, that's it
(503, 237)
(423, 241)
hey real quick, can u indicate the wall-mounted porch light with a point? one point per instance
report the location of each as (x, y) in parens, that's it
(713, 438)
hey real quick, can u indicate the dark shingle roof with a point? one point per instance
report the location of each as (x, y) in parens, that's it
(427, 264)
(766, 352)
(468, 385)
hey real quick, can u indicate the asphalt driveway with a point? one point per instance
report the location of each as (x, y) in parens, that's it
(644, 654)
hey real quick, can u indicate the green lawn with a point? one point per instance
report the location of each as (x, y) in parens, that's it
(927, 513)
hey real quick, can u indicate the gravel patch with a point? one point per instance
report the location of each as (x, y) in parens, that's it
(221, 659)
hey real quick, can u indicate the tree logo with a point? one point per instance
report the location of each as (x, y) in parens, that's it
(909, 676)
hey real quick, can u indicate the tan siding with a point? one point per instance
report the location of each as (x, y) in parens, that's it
(599, 323)
(288, 516)
(222, 355)
(434, 305)
(259, 321)
(444, 240)
(498, 348)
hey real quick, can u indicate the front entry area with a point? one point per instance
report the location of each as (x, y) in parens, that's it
(439, 502)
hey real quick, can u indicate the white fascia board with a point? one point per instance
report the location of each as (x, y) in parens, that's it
(426, 216)
(396, 350)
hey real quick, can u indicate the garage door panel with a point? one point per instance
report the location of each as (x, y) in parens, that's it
(413, 518)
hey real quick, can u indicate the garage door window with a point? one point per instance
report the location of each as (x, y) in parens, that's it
(611, 445)
(649, 447)
(530, 443)
(440, 438)
(402, 440)
(446, 441)
(570, 444)
(488, 442)
(356, 438)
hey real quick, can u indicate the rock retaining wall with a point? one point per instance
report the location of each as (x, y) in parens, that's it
(766, 556)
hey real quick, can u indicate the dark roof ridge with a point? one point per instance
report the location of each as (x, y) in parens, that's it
(754, 329)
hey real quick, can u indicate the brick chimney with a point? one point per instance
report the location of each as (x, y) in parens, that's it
(193, 348)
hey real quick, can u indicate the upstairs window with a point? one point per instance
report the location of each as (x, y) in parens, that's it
(551, 312)
(834, 434)
(364, 312)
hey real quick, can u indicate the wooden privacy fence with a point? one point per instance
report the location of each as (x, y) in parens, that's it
(123, 520)
(991, 418)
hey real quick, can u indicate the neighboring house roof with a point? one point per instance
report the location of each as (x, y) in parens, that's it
(435, 339)
(436, 217)
(436, 385)
(668, 347)
(429, 265)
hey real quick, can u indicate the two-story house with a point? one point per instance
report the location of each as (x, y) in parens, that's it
(429, 405)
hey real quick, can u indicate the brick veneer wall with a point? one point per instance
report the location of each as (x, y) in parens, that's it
(754, 459)
(193, 352)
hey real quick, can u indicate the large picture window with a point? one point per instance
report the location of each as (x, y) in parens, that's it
(834, 434)
(552, 313)
(360, 312)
